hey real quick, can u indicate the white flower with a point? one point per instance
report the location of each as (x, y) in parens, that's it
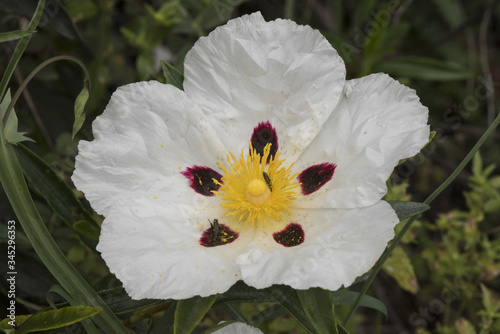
(268, 168)
(237, 327)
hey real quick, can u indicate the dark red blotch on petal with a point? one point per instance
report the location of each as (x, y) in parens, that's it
(201, 179)
(218, 235)
(292, 235)
(315, 177)
(264, 134)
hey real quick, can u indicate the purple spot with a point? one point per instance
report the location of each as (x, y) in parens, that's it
(201, 179)
(264, 134)
(217, 235)
(315, 177)
(292, 235)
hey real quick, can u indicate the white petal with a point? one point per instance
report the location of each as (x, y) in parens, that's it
(238, 328)
(378, 122)
(154, 251)
(339, 245)
(249, 71)
(147, 134)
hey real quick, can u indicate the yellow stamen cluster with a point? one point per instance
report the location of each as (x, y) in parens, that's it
(245, 193)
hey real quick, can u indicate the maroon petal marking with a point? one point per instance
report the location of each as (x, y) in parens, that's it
(315, 177)
(292, 235)
(201, 179)
(263, 134)
(217, 235)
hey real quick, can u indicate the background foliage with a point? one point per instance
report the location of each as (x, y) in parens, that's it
(443, 277)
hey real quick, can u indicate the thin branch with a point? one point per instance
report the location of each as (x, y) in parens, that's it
(485, 66)
(34, 111)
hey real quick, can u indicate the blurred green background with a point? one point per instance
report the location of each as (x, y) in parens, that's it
(444, 277)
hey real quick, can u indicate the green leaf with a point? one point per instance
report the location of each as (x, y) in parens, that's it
(289, 299)
(318, 305)
(490, 305)
(399, 267)
(87, 229)
(477, 164)
(57, 318)
(216, 13)
(81, 10)
(236, 314)
(242, 293)
(408, 209)
(10, 131)
(165, 324)
(117, 300)
(172, 75)
(189, 313)
(423, 68)
(87, 323)
(47, 183)
(463, 326)
(80, 102)
(219, 326)
(342, 330)
(120, 302)
(6, 324)
(346, 297)
(13, 35)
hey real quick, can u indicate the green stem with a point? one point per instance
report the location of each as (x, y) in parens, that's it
(407, 225)
(19, 50)
(35, 72)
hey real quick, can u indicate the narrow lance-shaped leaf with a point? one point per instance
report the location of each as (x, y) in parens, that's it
(80, 102)
(346, 297)
(242, 293)
(10, 131)
(47, 183)
(53, 319)
(189, 313)
(117, 300)
(87, 323)
(172, 75)
(288, 298)
(87, 229)
(399, 267)
(166, 322)
(318, 305)
(13, 35)
(408, 209)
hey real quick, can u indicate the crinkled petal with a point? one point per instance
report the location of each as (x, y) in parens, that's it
(147, 135)
(154, 250)
(249, 71)
(238, 328)
(339, 246)
(378, 122)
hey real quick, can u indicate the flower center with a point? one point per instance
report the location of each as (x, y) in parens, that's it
(257, 192)
(253, 190)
